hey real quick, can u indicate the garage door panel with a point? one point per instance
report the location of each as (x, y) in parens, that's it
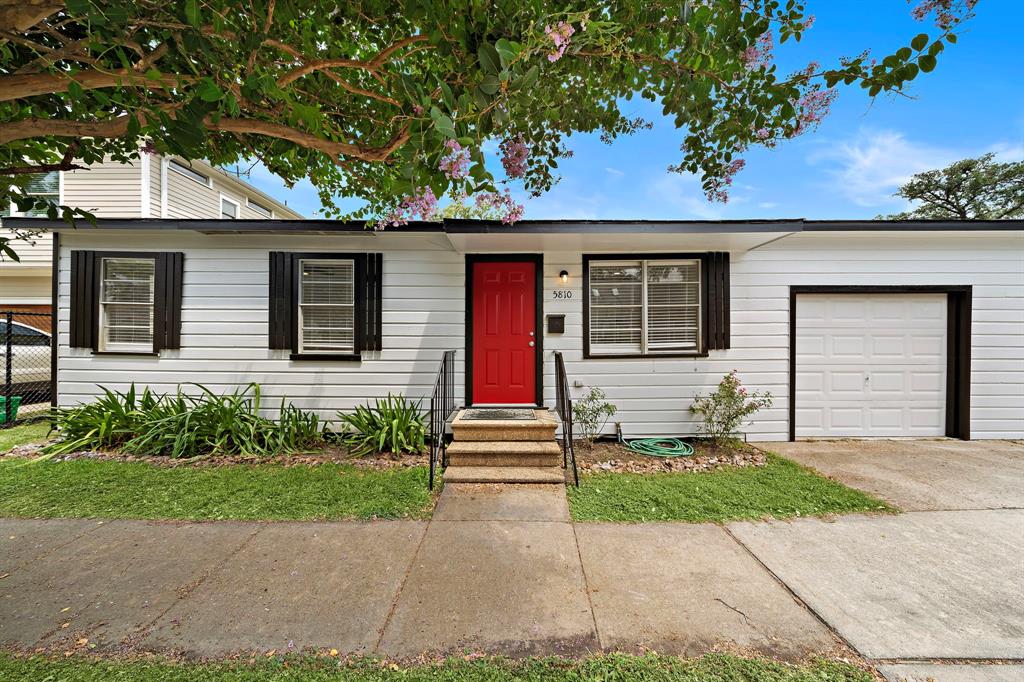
(870, 365)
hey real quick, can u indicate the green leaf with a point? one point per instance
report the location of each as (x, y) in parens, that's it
(192, 14)
(443, 124)
(507, 51)
(489, 60)
(919, 41)
(926, 62)
(490, 85)
(208, 90)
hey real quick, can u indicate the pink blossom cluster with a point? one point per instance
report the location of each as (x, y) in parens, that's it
(719, 190)
(513, 156)
(809, 22)
(760, 53)
(559, 36)
(812, 108)
(503, 203)
(420, 204)
(454, 164)
(947, 12)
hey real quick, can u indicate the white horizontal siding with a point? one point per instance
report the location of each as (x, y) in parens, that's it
(224, 323)
(107, 190)
(224, 318)
(34, 249)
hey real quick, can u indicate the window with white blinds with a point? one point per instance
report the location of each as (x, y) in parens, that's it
(126, 304)
(644, 306)
(43, 185)
(326, 306)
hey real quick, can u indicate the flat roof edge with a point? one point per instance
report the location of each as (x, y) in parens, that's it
(215, 226)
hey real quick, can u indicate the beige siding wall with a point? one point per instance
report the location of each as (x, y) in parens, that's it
(187, 198)
(108, 190)
(31, 289)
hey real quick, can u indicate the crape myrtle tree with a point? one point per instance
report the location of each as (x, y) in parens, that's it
(391, 102)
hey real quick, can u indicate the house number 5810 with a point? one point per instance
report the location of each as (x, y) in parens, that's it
(563, 293)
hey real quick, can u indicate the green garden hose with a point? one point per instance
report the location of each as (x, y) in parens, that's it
(656, 447)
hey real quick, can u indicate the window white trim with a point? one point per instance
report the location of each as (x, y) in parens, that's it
(144, 167)
(347, 349)
(220, 207)
(190, 173)
(645, 346)
(104, 320)
(163, 187)
(265, 211)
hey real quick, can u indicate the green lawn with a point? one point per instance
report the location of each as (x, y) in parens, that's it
(136, 490)
(720, 667)
(24, 433)
(781, 489)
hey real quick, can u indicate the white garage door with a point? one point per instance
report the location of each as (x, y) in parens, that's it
(870, 365)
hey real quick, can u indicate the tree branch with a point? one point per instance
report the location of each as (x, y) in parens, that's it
(312, 65)
(21, 15)
(21, 86)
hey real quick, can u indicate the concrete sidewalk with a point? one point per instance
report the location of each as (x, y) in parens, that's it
(500, 569)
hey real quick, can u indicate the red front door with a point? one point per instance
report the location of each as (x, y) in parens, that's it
(504, 336)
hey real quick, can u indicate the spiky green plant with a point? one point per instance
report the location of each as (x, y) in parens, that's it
(185, 425)
(393, 424)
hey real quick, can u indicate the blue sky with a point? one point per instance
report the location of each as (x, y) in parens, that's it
(849, 168)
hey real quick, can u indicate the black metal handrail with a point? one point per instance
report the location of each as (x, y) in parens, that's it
(442, 405)
(563, 405)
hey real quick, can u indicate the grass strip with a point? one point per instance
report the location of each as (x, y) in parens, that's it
(608, 668)
(136, 490)
(781, 489)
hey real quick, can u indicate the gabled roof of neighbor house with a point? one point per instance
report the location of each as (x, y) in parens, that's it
(463, 226)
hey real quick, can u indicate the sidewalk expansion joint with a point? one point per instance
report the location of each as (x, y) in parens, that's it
(794, 595)
(586, 585)
(401, 586)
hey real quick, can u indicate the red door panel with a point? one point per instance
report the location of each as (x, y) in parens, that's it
(504, 338)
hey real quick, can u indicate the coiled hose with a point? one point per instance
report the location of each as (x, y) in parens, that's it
(656, 447)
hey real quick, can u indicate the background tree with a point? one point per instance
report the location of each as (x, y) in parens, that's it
(390, 101)
(972, 189)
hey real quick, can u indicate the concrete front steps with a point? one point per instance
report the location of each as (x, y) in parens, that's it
(505, 450)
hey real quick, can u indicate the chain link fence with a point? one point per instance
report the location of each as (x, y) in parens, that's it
(25, 339)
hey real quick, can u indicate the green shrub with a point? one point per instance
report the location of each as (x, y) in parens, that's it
(591, 413)
(723, 412)
(393, 424)
(184, 425)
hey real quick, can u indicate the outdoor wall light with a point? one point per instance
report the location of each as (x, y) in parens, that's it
(564, 276)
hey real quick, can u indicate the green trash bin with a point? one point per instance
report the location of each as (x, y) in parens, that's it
(15, 404)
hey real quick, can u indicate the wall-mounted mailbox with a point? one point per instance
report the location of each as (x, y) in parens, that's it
(556, 324)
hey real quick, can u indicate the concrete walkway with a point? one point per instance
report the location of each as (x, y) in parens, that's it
(501, 569)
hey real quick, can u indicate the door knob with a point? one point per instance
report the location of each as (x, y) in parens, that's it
(531, 344)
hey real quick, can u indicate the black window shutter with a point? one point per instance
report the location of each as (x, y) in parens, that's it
(372, 302)
(719, 313)
(84, 299)
(281, 315)
(167, 301)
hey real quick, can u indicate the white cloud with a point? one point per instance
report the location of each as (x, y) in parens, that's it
(685, 196)
(614, 172)
(869, 167)
(767, 204)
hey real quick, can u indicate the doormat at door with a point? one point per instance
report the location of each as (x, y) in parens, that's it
(496, 413)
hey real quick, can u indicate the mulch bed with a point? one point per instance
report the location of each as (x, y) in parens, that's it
(328, 455)
(612, 457)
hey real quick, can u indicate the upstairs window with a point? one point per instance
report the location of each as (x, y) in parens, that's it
(327, 306)
(264, 211)
(228, 208)
(127, 304)
(188, 172)
(42, 185)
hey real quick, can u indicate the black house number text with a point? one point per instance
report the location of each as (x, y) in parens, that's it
(563, 293)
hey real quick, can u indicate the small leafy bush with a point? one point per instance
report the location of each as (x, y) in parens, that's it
(184, 425)
(591, 413)
(723, 412)
(393, 424)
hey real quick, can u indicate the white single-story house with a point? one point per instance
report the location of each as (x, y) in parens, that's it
(857, 328)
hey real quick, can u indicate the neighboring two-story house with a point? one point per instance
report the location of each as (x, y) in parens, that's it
(150, 187)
